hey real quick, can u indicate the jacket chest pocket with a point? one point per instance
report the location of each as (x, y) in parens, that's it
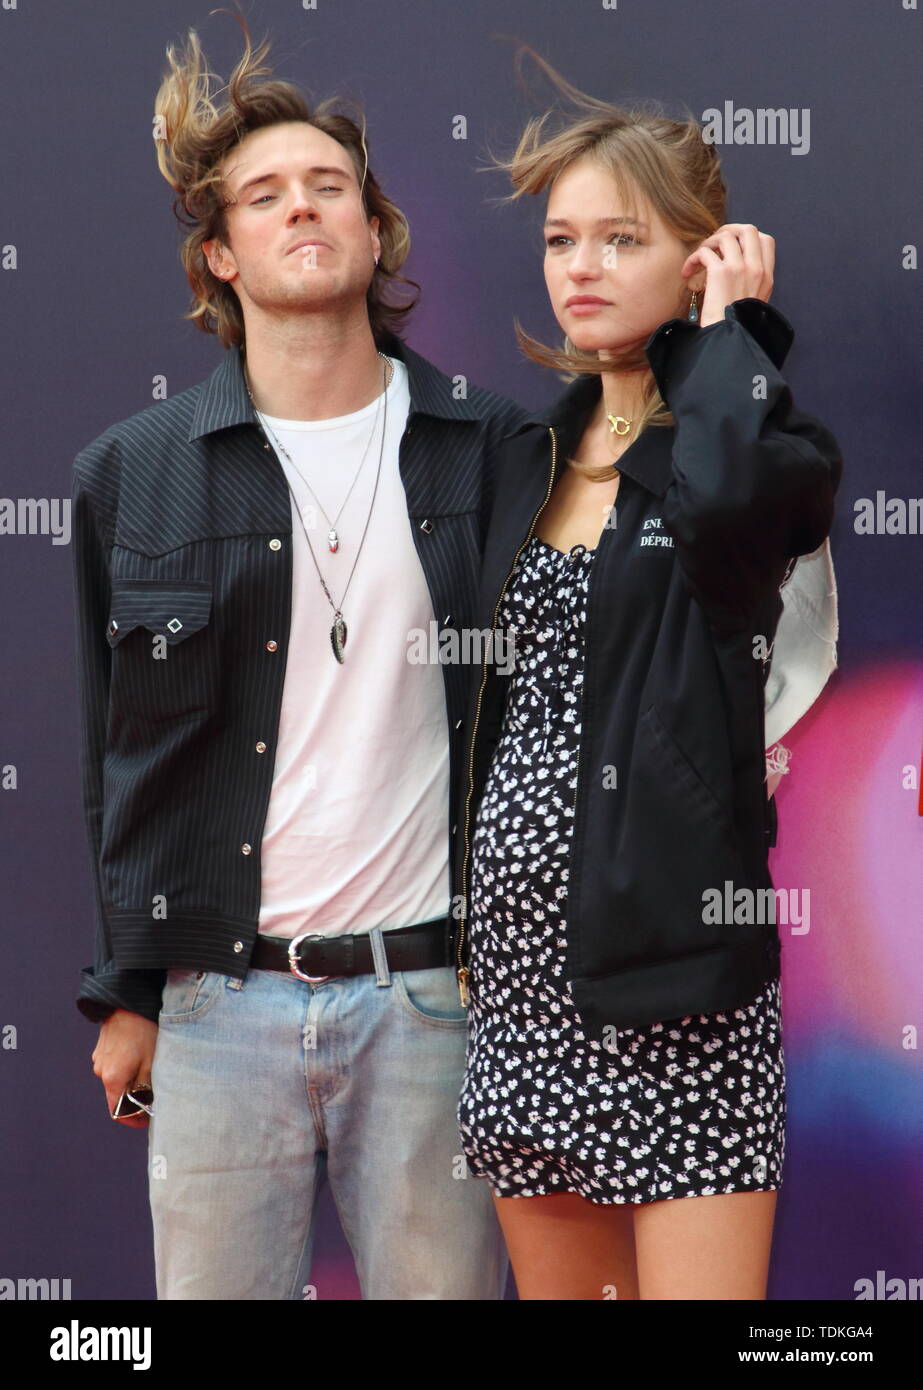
(164, 655)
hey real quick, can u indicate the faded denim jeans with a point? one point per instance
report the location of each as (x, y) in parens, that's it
(263, 1087)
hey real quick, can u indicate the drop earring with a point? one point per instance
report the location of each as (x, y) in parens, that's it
(693, 315)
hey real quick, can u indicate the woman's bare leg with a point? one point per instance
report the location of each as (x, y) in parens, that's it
(565, 1247)
(705, 1247)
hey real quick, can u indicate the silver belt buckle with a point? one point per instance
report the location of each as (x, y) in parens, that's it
(293, 958)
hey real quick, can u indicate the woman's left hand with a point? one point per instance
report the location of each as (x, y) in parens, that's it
(738, 261)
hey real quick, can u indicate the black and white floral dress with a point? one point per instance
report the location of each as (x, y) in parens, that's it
(693, 1108)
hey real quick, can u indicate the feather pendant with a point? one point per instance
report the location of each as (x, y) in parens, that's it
(338, 638)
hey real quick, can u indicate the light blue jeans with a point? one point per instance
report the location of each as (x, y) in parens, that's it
(263, 1086)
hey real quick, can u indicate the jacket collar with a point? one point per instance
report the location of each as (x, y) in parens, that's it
(647, 460)
(223, 399)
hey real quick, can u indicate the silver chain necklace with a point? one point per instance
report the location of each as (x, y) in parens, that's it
(338, 631)
(333, 539)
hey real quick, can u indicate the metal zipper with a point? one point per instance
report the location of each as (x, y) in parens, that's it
(462, 972)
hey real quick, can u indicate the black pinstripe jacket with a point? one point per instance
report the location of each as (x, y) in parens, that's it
(182, 530)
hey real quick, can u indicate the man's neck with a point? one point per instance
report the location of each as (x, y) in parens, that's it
(312, 369)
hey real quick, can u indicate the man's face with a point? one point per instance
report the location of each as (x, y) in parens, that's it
(637, 282)
(288, 184)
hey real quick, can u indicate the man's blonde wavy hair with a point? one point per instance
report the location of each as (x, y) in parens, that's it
(193, 135)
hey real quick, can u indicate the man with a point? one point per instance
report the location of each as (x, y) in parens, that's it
(267, 771)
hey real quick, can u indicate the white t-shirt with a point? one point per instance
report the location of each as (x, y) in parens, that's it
(356, 833)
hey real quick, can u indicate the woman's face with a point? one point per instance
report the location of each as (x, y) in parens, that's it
(626, 274)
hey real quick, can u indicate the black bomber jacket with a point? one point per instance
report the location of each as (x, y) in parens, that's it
(670, 802)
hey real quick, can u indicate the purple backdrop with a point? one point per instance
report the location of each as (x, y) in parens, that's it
(92, 302)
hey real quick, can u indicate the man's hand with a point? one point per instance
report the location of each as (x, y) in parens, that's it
(123, 1057)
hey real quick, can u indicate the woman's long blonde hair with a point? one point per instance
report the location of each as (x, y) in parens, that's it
(667, 161)
(194, 134)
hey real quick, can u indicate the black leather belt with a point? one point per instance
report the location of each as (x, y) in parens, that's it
(315, 958)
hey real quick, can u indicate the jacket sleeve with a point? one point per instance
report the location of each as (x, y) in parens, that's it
(103, 986)
(754, 478)
(506, 419)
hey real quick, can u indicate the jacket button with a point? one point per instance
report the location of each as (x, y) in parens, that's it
(272, 646)
(246, 849)
(275, 544)
(261, 747)
(238, 946)
(426, 525)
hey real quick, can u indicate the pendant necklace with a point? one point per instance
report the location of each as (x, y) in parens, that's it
(338, 632)
(618, 424)
(333, 539)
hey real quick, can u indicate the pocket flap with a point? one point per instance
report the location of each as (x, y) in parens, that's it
(171, 608)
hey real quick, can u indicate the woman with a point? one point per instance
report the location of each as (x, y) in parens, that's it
(617, 944)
